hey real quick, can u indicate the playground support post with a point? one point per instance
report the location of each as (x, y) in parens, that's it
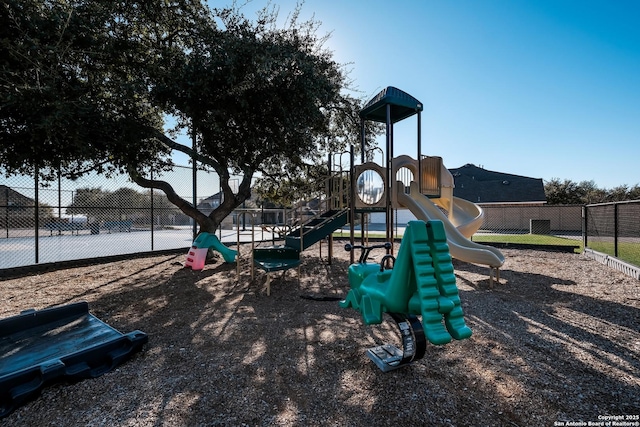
(352, 204)
(328, 188)
(194, 184)
(389, 208)
(419, 151)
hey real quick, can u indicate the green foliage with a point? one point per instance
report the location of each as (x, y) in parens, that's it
(101, 204)
(88, 85)
(70, 98)
(586, 192)
(284, 183)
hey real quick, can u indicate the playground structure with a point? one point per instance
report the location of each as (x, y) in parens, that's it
(69, 342)
(297, 236)
(424, 186)
(422, 281)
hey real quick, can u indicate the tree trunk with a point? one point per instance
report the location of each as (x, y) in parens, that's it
(205, 223)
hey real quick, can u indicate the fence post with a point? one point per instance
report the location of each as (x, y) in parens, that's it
(615, 230)
(194, 181)
(37, 213)
(152, 211)
(585, 226)
(6, 209)
(59, 193)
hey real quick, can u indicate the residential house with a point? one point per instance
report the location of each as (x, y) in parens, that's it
(17, 210)
(485, 187)
(514, 203)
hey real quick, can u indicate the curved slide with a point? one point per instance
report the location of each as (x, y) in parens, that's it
(198, 252)
(228, 254)
(460, 247)
(467, 217)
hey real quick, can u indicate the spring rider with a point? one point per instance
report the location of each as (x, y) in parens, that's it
(421, 282)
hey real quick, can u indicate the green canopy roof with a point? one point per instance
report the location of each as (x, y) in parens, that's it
(402, 104)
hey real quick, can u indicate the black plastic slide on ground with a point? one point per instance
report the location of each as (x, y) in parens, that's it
(66, 342)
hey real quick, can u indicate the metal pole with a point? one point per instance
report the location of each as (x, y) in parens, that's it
(352, 206)
(419, 152)
(152, 211)
(194, 176)
(585, 226)
(244, 217)
(6, 209)
(330, 199)
(362, 140)
(59, 195)
(388, 213)
(353, 179)
(253, 247)
(37, 213)
(615, 230)
(219, 203)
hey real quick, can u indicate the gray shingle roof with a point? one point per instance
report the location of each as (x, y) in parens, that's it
(479, 185)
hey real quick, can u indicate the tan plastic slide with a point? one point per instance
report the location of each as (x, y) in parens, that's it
(465, 220)
(467, 217)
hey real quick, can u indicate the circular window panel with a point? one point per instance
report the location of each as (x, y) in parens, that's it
(370, 187)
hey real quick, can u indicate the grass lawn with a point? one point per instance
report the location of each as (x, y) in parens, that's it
(627, 251)
(528, 239)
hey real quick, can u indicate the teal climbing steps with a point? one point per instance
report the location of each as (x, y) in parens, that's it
(287, 256)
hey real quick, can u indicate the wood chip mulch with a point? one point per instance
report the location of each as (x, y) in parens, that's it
(558, 340)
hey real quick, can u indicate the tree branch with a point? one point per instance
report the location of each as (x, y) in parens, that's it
(168, 190)
(187, 150)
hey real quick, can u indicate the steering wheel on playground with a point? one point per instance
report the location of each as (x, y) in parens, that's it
(364, 255)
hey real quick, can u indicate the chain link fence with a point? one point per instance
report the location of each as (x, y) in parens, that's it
(94, 216)
(556, 220)
(613, 229)
(521, 224)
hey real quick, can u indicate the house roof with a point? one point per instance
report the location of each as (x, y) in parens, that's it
(479, 185)
(14, 197)
(217, 196)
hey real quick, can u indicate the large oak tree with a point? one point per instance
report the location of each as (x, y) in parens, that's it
(89, 85)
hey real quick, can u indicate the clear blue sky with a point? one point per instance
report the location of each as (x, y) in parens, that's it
(540, 88)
